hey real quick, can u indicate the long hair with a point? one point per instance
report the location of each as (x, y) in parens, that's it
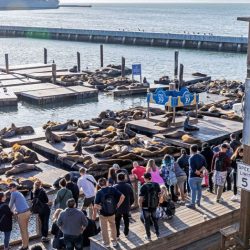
(37, 185)
(151, 166)
(111, 173)
(56, 214)
(237, 153)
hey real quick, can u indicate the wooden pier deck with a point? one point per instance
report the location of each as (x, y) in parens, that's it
(17, 82)
(43, 96)
(5, 76)
(185, 227)
(8, 99)
(25, 66)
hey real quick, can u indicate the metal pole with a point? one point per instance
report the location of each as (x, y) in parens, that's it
(181, 76)
(45, 56)
(176, 63)
(101, 55)
(7, 63)
(78, 61)
(244, 231)
(123, 66)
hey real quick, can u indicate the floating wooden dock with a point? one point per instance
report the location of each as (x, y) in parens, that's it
(24, 139)
(11, 77)
(17, 82)
(212, 130)
(8, 99)
(44, 96)
(187, 226)
(25, 66)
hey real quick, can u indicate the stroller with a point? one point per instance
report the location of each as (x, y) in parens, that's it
(166, 210)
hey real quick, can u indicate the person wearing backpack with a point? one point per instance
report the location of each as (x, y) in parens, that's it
(197, 164)
(63, 195)
(220, 165)
(5, 220)
(148, 202)
(107, 201)
(40, 206)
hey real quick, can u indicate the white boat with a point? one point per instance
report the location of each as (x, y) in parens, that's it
(28, 4)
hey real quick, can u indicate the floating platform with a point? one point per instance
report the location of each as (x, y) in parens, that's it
(17, 82)
(8, 99)
(44, 96)
(26, 72)
(25, 66)
(186, 227)
(10, 77)
(24, 139)
(212, 130)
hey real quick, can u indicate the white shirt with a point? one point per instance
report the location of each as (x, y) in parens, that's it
(87, 186)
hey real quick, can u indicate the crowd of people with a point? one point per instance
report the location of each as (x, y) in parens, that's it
(110, 199)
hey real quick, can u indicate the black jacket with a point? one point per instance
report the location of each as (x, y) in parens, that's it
(127, 191)
(74, 189)
(5, 218)
(43, 197)
(208, 154)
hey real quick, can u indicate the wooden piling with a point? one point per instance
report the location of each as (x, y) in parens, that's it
(54, 73)
(45, 56)
(78, 62)
(181, 76)
(176, 63)
(123, 66)
(7, 63)
(101, 55)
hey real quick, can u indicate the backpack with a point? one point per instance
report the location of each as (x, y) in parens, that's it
(108, 203)
(152, 196)
(172, 180)
(37, 206)
(219, 161)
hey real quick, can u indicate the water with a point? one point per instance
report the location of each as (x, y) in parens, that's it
(175, 18)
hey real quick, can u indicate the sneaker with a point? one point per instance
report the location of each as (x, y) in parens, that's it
(147, 237)
(114, 243)
(192, 206)
(198, 204)
(45, 239)
(234, 198)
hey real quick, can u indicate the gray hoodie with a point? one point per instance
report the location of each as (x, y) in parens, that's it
(71, 221)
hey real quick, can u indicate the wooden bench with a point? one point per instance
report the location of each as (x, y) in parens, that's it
(227, 235)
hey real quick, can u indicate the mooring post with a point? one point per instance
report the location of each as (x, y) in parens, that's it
(7, 63)
(171, 88)
(123, 66)
(45, 56)
(181, 76)
(101, 55)
(54, 73)
(176, 63)
(78, 61)
(148, 104)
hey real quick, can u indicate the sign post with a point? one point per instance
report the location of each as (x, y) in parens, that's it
(243, 176)
(136, 70)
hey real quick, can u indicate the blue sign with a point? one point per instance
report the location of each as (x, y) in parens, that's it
(136, 69)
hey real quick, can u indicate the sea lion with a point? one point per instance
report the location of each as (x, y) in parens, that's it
(75, 158)
(51, 137)
(110, 135)
(22, 168)
(24, 130)
(106, 123)
(136, 142)
(190, 139)
(68, 137)
(175, 135)
(138, 115)
(132, 157)
(142, 151)
(204, 108)
(95, 148)
(188, 127)
(120, 162)
(213, 109)
(18, 158)
(165, 124)
(129, 132)
(106, 153)
(30, 157)
(83, 125)
(102, 140)
(78, 147)
(81, 134)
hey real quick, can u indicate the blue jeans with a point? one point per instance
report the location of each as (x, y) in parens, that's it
(6, 239)
(195, 186)
(73, 242)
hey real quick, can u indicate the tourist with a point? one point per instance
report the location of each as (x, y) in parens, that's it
(124, 209)
(112, 176)
(208, 154)
(39, 194)
(121, 170)
(138, 171)
(154, 171)
(23, 213)
(72, 223)
(87, 184)
(148, 202)
(72, 187)
(220, 165)
(237, 157)
(5, 220)
(90, 230)
(197, 165)
(58, 241)
(62, 195)
(234, 143)
(107, 201)
(184, 164)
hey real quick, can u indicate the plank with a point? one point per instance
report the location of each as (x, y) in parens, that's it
(26, 66)
(17, 82)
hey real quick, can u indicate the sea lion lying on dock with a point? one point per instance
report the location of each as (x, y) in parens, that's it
(68, 137)
(51, 137)
(106, 153)
(129, 132)
(75, 158)
(175, 135)
(165, 124)
(22, 168)
(95, 148)
(190, 139)
(188, 127)
(13, 131)
(83, 125)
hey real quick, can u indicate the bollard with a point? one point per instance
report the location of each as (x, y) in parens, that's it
(101, 55)
(54, 73)
(78, 61)
(176, 63)
(7, 63)
(45, 56)
(123, 66)
(181, 76)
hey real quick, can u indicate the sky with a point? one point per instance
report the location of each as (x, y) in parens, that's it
(154, 1)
